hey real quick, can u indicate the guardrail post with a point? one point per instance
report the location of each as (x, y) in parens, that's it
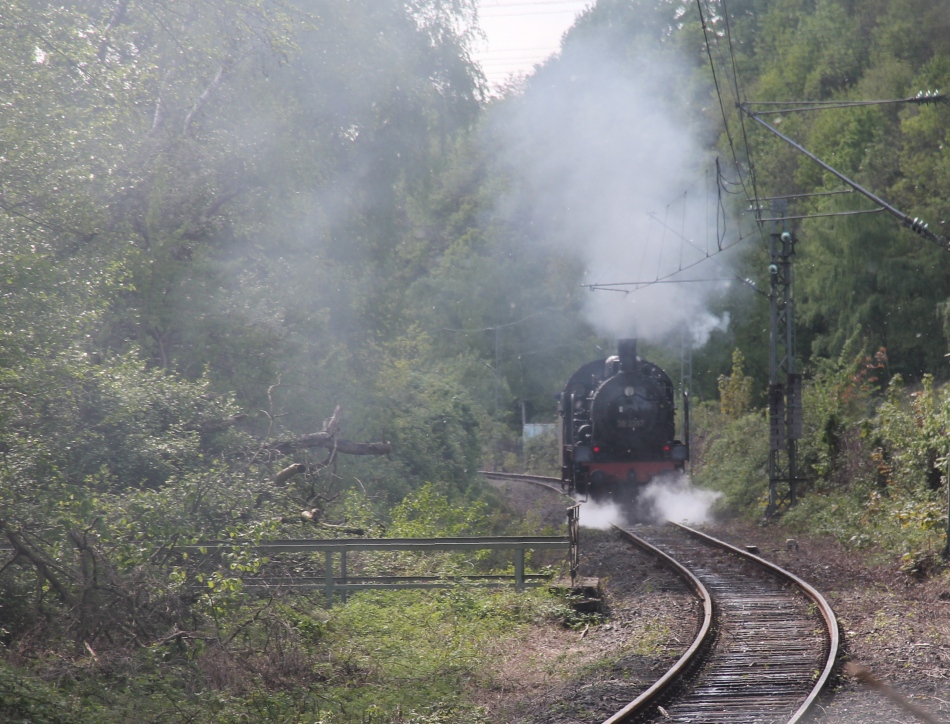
(574, 533)
(343, 574)
(519, 569)
(328, 586)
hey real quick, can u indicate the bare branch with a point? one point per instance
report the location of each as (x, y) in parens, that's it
(331, 425)
(159, 117)
(206, 96)
(325, 440)
(37, 559)
(287, 473)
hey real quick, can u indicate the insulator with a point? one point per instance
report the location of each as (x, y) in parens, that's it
(928, 97)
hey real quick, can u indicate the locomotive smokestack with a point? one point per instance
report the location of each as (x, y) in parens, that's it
(627, 351)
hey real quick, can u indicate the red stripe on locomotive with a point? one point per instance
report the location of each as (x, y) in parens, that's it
(645, 471)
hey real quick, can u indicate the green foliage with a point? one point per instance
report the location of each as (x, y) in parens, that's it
(732, 457)
(410, 651)
(735, 390)
(427, 513)
(542, 455)
(422, 407)
(876, 466)
(27, 700)
(838, 401)
(173, 257)
(859, 272)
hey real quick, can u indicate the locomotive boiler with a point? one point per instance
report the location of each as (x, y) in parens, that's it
(617, 426)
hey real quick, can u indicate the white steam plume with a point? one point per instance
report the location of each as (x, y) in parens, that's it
(603, 169)
(600, 515)
(669, 497)
(673, 497)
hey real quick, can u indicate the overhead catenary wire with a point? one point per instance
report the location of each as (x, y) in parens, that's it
(916, 224)
(665, 227)
(722, 107)
(738, 98)
(522, 14)
(790, 197)
(546, 310)
(669, 278)
(706, 254)
(922, 98)
(723, 184)
(710, 256)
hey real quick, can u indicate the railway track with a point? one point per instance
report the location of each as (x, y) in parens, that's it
(764, 653)
(766, 646)
(543, 481)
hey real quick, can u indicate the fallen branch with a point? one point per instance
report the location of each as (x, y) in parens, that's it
(327, 440)
(343, 528)
(37, 559)
(313, 516)
(287, 473)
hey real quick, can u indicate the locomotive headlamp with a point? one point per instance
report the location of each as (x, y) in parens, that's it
(628, 391)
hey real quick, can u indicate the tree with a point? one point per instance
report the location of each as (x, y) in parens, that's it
(735, 390)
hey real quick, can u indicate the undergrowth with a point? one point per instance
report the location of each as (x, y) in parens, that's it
(228, 655)
(873, 461)
(403, 656)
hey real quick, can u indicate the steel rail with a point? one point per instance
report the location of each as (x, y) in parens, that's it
(544, 481)
(685, 661)
(827, 614)
(689, 660)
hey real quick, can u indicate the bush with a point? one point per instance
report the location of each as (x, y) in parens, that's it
(732, 458)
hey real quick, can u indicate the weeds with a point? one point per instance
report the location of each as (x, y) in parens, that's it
(875, 461)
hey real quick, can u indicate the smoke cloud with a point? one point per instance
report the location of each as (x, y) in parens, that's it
(675, 499)
(667, 498)
(607, 170)
(600, 515)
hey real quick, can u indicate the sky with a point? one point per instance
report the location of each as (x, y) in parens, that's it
(521, 33)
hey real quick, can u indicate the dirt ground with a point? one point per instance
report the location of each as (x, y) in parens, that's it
(562, 675)
(897, 627)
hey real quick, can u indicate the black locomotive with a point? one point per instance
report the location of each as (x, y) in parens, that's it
(617, 428)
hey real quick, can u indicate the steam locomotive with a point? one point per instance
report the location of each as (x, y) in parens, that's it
(617, 429)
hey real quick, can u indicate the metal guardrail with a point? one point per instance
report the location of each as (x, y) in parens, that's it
(331, 583)
(343, 584)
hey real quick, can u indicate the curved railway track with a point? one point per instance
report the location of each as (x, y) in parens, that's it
(765, 649)
(543, 481)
